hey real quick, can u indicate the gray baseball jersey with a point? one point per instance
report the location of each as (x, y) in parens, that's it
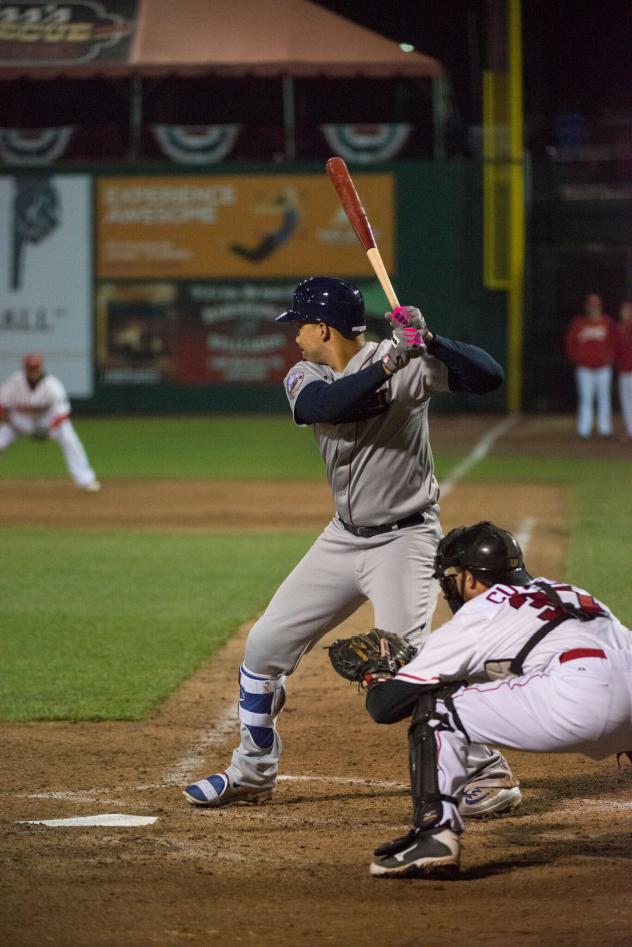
(379, 464)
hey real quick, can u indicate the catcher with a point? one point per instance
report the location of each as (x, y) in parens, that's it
(530, 664)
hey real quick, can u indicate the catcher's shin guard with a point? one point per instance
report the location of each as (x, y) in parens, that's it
(261, 700)
(422, 756)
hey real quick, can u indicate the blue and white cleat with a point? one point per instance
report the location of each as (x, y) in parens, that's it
(479, 802)
(217, 790)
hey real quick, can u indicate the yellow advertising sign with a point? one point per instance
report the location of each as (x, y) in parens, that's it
(184, 227)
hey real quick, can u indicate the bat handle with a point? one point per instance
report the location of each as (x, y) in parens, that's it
(377, 263)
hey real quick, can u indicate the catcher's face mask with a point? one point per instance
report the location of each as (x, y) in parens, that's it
(448, 568)
(450, 582)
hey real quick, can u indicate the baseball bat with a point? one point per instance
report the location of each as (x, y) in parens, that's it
(356, 214)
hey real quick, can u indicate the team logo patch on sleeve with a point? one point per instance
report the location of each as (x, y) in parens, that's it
(294, 382)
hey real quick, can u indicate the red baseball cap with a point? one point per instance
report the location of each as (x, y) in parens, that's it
(33, 361)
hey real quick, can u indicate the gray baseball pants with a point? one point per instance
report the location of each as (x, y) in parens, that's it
(338, 574)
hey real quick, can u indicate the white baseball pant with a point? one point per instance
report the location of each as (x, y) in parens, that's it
(579, 704)
(65, 435)
(594, 385)
(625, 399)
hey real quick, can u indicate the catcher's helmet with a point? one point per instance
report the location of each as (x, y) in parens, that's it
(333, 301)
(490, 553)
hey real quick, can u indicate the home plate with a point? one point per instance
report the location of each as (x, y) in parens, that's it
(110, 819)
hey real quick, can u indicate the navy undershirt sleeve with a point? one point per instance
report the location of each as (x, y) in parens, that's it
(469, 367)
(326, 403)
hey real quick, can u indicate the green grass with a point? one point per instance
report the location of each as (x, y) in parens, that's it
(238, 448)
(105, 624)
(208, 447)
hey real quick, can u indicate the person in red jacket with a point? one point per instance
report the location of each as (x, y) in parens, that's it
(624, 363)
(591, 345)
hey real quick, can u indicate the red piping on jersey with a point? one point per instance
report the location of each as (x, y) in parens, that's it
(57, 421)
(414, 677)
(581, 653)
(511, 682)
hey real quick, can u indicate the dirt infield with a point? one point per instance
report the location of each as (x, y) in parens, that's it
(292, 873)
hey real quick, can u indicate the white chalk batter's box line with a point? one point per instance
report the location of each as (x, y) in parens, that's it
(90, 796)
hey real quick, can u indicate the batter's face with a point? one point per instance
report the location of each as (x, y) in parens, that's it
(310, 338)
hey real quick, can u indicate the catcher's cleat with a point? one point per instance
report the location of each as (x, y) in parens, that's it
(479, 802)
(430, 853)
(218, 791)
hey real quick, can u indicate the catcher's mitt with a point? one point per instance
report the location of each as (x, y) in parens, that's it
(374, 654)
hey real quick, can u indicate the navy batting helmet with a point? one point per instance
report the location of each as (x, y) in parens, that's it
(490, 553)
(332, 301)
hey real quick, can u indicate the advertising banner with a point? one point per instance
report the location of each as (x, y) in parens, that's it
(46, 275)
(193, 333)
(232, 226)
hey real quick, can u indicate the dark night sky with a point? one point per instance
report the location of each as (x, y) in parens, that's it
(577, 53)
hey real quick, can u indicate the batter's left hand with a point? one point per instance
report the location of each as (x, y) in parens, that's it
(406, 343)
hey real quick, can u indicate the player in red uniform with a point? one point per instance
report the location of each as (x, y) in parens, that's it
(590, 344)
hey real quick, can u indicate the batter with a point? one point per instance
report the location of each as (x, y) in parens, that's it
(35, 404)
(549, 669)
(367, 404)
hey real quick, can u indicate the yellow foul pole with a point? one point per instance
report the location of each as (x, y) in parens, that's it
(503, 178)
(515, 297)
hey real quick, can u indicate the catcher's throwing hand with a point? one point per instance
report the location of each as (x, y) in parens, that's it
(370, 657)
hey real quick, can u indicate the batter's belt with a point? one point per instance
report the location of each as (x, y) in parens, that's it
(367, 531)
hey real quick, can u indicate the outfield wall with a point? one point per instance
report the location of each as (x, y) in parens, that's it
(187, 270)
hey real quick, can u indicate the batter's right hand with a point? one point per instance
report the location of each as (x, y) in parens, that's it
(406, 343)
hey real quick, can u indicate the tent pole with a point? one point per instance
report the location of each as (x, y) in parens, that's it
(439, 116)
(135, 116)
(289, 118)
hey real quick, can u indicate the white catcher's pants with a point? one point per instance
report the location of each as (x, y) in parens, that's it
(581, 706)
(594, 384)
(625, 398)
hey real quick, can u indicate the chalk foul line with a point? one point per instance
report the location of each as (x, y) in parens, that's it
(478, 452)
